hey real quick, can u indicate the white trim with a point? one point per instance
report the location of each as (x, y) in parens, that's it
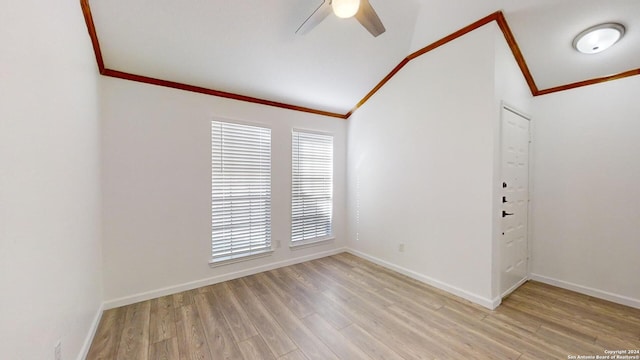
(239, 122)
(495, 303)
(310, 131)
(514, 287)
(240, 258)
(148, 295)
(531, 219)
(84, 351)
(514, 110)
(303, 244)
(482, 301)
(601, 294)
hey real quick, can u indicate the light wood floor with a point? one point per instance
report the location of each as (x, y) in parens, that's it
(343, 307)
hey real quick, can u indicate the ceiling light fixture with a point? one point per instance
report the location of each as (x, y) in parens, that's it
(345, 8)
(598, 38)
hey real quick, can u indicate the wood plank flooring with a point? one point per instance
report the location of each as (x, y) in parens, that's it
(344, 307)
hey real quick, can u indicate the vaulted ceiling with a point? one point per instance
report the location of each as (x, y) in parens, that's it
(248, 50)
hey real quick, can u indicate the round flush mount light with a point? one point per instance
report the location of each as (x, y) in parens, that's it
(345, 8)
(598, 38)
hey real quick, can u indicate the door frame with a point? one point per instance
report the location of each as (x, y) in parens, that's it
(504, 106)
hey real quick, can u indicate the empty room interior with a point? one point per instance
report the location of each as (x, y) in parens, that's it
(309, 179)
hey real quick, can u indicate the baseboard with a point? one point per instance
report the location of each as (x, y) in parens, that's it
(482, 301)
(84, 351)
(600, 294)
(514, 287)
(128, 300)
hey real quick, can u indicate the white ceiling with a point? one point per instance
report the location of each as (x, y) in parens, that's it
(249, 47)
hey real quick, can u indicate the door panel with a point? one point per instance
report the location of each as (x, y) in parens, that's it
(515, 201)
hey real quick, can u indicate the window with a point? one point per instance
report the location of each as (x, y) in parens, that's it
(240, 190)
(312, 187)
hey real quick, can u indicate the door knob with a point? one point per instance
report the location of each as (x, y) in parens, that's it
(505, 214)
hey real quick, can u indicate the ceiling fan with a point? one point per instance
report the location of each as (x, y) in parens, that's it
(361, 9)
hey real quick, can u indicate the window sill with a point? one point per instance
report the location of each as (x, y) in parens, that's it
(240, 258)
(309, 243)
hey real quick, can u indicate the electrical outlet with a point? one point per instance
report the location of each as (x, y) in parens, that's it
(401, 247)
(57, 351)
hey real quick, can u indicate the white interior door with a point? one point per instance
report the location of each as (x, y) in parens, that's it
(514, 252)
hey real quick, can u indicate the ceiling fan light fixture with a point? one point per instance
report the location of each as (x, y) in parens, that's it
(345, 8)
(598, 38)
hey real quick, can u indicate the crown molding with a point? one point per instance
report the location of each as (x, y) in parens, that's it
(497, 16)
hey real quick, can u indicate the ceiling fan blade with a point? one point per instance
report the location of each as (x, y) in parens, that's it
(315, 18)
(367, 16)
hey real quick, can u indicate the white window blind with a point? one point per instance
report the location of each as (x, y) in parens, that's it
(240, 190)
(312, 187)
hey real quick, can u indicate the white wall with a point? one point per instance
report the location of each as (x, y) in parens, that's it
(157, 187)
(50, 262)
(421, 168)
(510, 85)
(586, 189)
(439, 18)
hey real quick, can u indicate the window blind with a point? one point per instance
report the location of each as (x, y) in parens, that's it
(312, 186)
(240, 190)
